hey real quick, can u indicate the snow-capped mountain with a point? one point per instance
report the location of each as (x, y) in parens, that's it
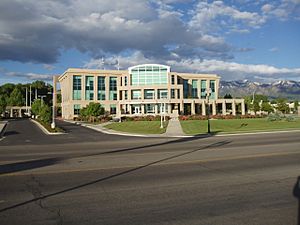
(283, 88)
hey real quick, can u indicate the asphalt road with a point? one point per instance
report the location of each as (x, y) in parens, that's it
(85, 177)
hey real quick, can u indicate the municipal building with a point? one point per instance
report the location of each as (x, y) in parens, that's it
(149, 89)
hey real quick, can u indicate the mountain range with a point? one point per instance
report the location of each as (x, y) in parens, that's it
(240, 88)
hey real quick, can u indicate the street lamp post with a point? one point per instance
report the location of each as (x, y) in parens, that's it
(208, 93)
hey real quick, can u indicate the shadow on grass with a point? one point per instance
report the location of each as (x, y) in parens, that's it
(43, 197)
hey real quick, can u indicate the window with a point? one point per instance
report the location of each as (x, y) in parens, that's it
(149, 94)
(150, 108)
(113, 109)
(125, 81)
(113, 88)
(185, 88)
(173, 79)
(76, 87)
(149, 75)
(126, 95)
(76, 109)
(203, 89)
(194, 88)
(162, 93)
(135, 94)
(89, 88)
(212, 86)
(101, 88)
(172, 93)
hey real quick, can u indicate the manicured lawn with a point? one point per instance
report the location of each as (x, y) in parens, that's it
(237, 125)
(139, 127)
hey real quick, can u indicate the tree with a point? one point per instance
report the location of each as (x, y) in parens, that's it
(91, 111)
(296, 105)
(267, 107)
(39, 108)
(282, 106)
(3, 104)
(16, 97)
(36, 107)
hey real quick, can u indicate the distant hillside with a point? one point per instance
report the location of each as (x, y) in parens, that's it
(286, 89)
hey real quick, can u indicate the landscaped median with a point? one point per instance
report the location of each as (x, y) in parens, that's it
(46, 127)
(138, 127)
(193, 127)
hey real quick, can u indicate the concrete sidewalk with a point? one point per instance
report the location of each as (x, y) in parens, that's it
(2, 127)
(174, 128)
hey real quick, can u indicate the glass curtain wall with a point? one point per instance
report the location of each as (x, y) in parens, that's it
(76, 87)
(149, 75)
(212, 86)
(194, 88)
(89, 88)
(101, 88)
(113, 88)
(203, 89)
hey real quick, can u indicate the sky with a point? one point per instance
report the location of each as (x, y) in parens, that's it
(236, 39)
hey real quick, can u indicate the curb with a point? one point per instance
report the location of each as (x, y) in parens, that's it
(108, 131)
(44, 129)
(2, 131)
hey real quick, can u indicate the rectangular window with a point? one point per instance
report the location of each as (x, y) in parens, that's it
(126, 95)
(173, 79)
(150, 108)
(149, 94)
(212, 86)
(76, 87)
(162, 93)
(125, 80)
(113, 88)
(101, 88)
(76, 109)
(203, 89)
(194, 88)
(136, 94)
(173, 93)
(185, 88)
(113, 109)
(89, 88)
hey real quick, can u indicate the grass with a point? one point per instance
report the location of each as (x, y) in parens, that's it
(138, 127)
(193, 127)
(48, 127)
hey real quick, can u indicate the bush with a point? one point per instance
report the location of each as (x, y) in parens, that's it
(290, 118)
(275, 117)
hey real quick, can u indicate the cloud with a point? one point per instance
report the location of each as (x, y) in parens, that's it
(39, 31)
(227, 70)
(30, 76)
(274, 49)
(207, 16)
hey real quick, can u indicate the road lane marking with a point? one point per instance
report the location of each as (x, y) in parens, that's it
(152, 164)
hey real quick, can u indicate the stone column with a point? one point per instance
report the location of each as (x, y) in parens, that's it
(243, 107)
(214, 108)
(203, 108)
(11, 112)
(233, 108)
(20, 112)
(181, 108)
(169, 108)
(156, 109)
(143, 109)
(224, 108)
(193, 108)
(130, 109)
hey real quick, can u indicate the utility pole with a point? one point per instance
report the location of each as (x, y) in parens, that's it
(36, 94)
(26, 100)
(53, 103)
(30, 92)
(208, 93)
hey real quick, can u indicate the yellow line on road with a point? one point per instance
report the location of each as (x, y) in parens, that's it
(154, 164)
